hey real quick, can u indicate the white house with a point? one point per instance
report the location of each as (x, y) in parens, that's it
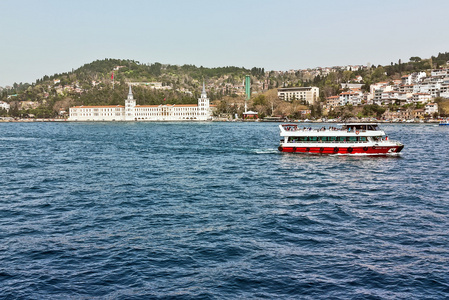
(333, 101)
(421, 97)
(389, 97)
(351, 97)
(440, 73)
(4, 105)
(431, 108)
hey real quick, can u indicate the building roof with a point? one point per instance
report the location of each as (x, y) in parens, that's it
(297, 88)
(172, 105)
(98, 106)
(186, 105)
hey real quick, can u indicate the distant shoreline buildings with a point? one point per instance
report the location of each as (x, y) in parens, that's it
(402, 95)
(414, 88)
(133, 112)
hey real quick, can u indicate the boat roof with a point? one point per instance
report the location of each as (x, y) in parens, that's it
(340, 124)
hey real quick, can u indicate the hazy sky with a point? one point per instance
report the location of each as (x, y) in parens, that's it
(43, 37)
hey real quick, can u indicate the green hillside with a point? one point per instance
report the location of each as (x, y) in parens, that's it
(91, 84)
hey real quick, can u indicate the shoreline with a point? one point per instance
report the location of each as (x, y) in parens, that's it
(41, 120)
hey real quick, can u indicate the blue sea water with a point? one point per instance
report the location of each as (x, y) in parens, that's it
(214, 211)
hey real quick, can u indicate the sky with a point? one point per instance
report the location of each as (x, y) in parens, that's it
(45, 37)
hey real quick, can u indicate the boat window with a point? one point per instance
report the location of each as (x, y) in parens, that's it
(362, 138)
(324, 138)
(331, 138)
(313, 138)
(351, 138)
(341, 138)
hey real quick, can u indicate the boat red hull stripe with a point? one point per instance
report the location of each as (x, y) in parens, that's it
(343, 150)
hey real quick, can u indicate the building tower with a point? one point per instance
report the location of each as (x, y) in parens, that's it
(247, 91)
(203, 105)
(130, 103)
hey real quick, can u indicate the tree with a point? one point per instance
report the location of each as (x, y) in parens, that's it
(260, 100)
(347, 75)
(318, 111)
(346, 116)
(378, 74)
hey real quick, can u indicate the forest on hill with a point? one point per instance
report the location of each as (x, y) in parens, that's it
(105, 82)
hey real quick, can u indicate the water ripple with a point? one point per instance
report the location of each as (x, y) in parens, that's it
(213, 210)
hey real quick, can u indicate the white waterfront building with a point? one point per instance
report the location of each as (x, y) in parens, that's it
(133, 112)
(4, 105)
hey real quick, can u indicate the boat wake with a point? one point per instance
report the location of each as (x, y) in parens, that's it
(265, 151)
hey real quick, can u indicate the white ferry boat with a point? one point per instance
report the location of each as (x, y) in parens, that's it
(350, 138)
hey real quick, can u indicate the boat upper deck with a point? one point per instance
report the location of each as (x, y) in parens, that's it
(349, 129)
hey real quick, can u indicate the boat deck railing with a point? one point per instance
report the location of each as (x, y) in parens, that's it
(322, 129)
